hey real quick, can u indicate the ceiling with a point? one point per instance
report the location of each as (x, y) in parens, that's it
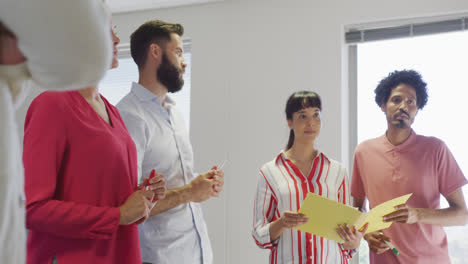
(123, 6)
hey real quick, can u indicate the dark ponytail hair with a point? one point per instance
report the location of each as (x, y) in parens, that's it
(298, 101)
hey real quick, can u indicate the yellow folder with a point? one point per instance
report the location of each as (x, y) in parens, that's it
(325, 215)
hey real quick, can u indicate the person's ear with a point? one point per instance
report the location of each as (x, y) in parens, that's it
(383, 107)
(155, 52)
(289, 123)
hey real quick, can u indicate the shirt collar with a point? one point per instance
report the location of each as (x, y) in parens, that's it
(144, 94)
(283, 155)
(389, 146)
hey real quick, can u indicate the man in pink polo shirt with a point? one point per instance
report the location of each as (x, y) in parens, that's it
(402, 162)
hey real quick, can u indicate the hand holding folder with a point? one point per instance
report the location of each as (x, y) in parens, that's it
(325, 215)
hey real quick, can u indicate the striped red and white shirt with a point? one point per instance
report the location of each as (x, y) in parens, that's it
(282, 187)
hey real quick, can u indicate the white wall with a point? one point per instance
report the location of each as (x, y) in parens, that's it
(248, 56)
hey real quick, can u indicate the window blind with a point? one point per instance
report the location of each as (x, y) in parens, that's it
(407, 30)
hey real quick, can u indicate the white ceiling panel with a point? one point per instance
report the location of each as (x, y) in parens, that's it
(123, 6)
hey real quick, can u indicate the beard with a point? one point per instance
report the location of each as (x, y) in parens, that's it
(169, 75)
(401, 123)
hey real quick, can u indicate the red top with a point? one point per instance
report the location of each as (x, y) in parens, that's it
(78, 170)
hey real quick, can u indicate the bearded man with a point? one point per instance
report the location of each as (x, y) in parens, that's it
(176, 231)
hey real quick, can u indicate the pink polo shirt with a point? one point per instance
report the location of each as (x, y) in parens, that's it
(421, 165)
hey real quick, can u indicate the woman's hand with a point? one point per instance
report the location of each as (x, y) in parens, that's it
(288, 220)
(293, 219)
(136, 208)
(351, 236)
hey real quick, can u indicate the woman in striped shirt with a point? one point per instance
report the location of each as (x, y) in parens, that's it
(284, 183)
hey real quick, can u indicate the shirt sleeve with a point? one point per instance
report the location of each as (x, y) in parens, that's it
(265, 212)
(45, 145)
(347, 253)
(67, 44)
(137, 129)
(450, 175)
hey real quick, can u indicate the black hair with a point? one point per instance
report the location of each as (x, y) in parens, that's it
(298, 101)
(409, 77)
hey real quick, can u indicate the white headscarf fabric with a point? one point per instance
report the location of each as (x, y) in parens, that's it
(12, 212)
(67, 45)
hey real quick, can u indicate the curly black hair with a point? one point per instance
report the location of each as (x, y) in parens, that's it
(409, 77)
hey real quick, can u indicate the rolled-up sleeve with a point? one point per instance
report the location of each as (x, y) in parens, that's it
(265, 212)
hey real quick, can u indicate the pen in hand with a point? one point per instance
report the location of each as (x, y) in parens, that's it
(147, 186)
(220, 167)
(152, 175)
(391, 246)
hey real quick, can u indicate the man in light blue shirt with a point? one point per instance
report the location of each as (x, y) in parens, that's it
(176, 231)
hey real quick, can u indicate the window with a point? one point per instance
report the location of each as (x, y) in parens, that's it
(117, 82)
(441, 59)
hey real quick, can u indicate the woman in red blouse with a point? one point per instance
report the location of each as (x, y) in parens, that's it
(82, 198)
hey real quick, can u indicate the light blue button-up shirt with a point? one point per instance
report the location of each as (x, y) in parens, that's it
(178, 235)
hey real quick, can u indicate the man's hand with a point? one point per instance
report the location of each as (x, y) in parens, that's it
(292, 219)
(376, 242)
(136, 208)
(351, 236)
(155, 183)
(403, 214)
(201, 187)
(218, 181)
